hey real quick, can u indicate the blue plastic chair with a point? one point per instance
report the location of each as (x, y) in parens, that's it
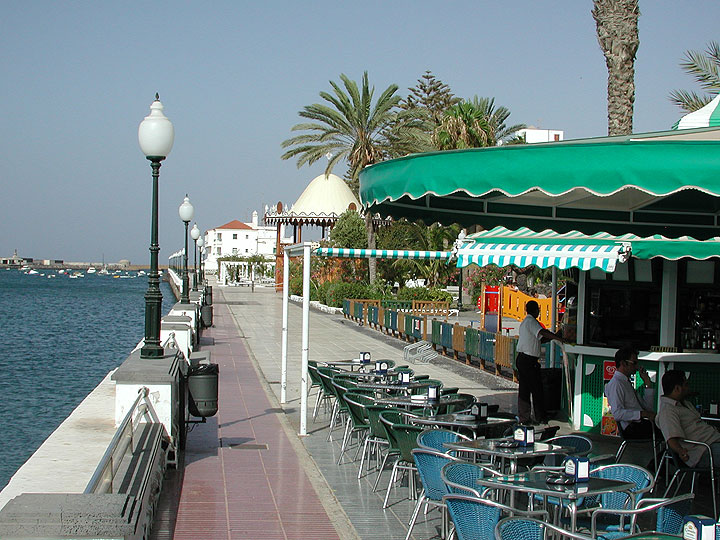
(461, 477)
(429, 463)
(475, 518)
(670, 514)
(433, 439)
(516, 528)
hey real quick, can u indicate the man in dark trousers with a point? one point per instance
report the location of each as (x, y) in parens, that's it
(532, 335)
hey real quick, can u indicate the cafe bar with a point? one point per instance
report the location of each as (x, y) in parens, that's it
(633, 221)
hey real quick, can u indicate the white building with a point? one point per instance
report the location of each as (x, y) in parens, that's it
(535, 135)
(241, 240)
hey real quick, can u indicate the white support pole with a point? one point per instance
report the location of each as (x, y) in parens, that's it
(284, 339)
(305, 339)
(553, 314)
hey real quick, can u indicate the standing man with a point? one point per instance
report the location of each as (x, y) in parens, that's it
(680, 421)
(633, 413)
(532, 334)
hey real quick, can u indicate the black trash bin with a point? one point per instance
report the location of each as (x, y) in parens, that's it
(202, 384)
(208, 295)
(552, 389)
(206, 316)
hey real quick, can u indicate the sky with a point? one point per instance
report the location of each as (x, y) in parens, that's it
(78, 77)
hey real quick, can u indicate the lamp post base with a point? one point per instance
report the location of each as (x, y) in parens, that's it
(152, 350)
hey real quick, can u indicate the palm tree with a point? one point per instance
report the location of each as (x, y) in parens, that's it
(617, 32)
(350, 127)
(705, 67)
(474, 123)
(436, 237)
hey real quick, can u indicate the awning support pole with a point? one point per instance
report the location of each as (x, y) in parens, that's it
(285, 293)
(305, 339)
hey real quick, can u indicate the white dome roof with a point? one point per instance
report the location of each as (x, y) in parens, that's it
(325, 196)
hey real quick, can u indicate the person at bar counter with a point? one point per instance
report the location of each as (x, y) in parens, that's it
(531, 336)
(679, 420)
(632, 412)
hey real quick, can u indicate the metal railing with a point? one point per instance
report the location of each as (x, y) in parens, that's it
(104, 475)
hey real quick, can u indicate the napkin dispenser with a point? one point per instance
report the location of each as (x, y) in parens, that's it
(479, 411)
(714, 409)
(433, 392)
(524, 435)
(698, 528)
(381, 367)
(577, 468)
(364, 357)
(405, 377)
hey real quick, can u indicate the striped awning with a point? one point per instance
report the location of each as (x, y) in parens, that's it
(561, 256)
(383, 253)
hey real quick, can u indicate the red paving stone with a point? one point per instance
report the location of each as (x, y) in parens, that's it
(230, 492)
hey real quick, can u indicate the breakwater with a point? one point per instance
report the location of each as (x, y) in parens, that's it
(63, 336)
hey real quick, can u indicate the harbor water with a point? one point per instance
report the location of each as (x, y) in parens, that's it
(60, 336)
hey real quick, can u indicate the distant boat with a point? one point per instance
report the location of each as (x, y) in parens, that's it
(32, 271)
(91, 270)
(104, 271)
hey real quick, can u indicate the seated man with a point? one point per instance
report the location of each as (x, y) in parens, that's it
(633, 413)
(678, 420)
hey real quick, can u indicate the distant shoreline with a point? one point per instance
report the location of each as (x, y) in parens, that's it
(80, 266)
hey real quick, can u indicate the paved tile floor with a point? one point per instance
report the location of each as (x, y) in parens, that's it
(248, 475)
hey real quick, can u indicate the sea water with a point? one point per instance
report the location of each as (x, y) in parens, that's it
(60, 337)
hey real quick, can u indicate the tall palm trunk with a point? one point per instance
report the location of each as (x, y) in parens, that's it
(617, 33)
(372, 263)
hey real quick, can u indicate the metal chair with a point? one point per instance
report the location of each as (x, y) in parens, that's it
(357, 421)
(433, 439)
(461, 477)
(376, 436)
(476, 518)
(429, 464)
(657, 446)
(515, 528)
(402, 437)
(669, 520)
(682, 470)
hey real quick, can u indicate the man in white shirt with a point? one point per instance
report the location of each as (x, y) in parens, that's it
(632, 412)
(532, 334)
(680, 421)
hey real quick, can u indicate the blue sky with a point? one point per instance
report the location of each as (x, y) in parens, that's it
(78, 77)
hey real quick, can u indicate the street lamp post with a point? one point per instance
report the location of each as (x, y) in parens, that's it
(186, 212)
(156, 136)
(200, 244)
(195, 235)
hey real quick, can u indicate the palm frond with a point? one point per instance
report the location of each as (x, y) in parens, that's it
(688, 101)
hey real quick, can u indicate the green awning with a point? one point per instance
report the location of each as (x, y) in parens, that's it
(617, 185)
(600, 250)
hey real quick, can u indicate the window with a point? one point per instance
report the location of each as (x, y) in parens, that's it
(234, 236)
(219, 251)
(246, 250)
(247, 237)
(235, 251)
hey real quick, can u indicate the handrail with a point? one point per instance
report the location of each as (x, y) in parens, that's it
(172, 342)
(102, 479)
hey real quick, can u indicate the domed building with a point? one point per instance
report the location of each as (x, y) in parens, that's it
(320, 205)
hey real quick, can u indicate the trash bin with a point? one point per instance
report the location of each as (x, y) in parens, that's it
(208, 295)
(202, 384)
(552, 389)
(206, 316)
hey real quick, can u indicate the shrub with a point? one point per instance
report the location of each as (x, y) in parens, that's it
(423, 293)
(337, 292)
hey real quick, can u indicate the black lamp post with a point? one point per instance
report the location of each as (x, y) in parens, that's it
(195, 234)
(156, 136)
(186, 212)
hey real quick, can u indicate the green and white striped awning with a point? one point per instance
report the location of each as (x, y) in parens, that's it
(523, 247)
(584, 257)
(707, 116)
(383, 253)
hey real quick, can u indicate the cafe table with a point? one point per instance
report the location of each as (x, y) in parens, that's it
(387, 385)
(420, 401)
(652, 535)
(537, 483)
(504, 450)
(464, 421)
